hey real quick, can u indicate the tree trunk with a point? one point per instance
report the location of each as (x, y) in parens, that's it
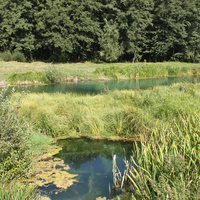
(133, 61)
(194, 56)
(31, 56)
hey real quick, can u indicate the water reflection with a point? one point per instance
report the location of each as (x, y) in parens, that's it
(92, 161)
(95, 87)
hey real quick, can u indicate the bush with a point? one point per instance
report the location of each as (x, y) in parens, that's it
(6, 56)
(17, 191)
(14, 156)
(53, 74)
(16, 56)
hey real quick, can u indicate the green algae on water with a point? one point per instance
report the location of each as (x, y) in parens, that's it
(49, 170)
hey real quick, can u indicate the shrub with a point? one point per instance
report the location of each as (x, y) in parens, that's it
(53, 75)
(6, 56)
(16, 191)
(14, 156)
(18, 56)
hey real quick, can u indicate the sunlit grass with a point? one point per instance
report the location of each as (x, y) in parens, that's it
(17, 191)
(116, 113)
(39, 143)
(144, 70)
(103, 70)
(166, 163)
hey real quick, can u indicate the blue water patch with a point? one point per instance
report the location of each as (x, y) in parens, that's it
(92, 160)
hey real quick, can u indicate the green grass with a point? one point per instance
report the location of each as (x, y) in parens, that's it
(39, 143)
(18, 191)
(27, 78)
(90, 70)
(116, 113)
(69, 70)
(144, 70)
(165, 119)
(166, 164)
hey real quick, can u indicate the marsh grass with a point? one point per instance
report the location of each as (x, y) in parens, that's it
(115, 113)
(27, 78)
(144, 70)
(166, 165)
(38, 143)
(90, 70)
(74, 115)
(16, 191)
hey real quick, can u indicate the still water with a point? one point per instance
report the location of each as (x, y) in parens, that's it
(95, 87)
(92, 161)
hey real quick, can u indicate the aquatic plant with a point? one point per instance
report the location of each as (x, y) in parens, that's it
(116, 113)
(18, 191)
(48, 170)
(166, 163)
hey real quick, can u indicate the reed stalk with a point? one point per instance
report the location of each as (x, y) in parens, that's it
(166, 166)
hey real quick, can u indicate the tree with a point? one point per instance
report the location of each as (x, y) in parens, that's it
(139, 18)
(17, 25)
(109, 42)
(169, 31)
(193, 39)
(86, 28)
(53, 30)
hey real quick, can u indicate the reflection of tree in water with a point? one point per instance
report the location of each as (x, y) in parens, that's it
(79, 151)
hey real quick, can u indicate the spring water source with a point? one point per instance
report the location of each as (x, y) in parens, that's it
(96, 87)
(92, 160)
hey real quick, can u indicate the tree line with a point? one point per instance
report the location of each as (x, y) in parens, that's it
(101, 30)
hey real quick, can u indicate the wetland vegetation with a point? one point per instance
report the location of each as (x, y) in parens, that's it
(45, 73)
(165, 119)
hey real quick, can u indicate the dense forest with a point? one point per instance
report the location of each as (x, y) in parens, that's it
(101, 30)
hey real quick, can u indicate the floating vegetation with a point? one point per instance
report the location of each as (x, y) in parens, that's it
(100, 198)
(49, 170)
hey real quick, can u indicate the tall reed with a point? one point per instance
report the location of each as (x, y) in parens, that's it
(165, 165)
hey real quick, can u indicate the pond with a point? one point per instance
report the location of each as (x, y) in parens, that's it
(95, 87)
(92, 160)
